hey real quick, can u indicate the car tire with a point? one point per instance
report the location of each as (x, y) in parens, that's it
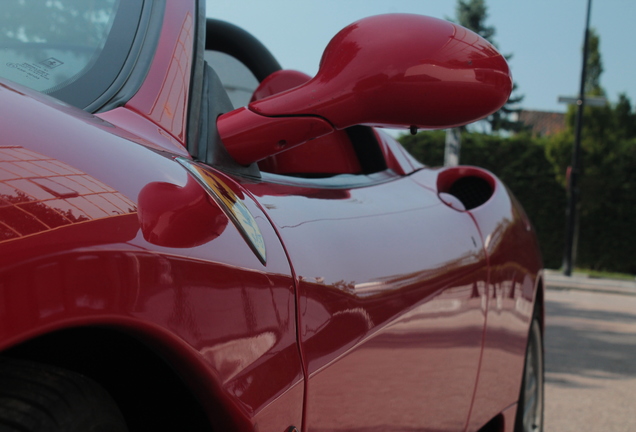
(42, 398)
(531, 398)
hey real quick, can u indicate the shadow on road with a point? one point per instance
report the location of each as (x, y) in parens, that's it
(589, 342)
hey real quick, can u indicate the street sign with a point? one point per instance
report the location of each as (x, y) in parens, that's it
(596, 101)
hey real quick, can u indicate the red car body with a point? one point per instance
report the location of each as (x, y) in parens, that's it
(382, 305)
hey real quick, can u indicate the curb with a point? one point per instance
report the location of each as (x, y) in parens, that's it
(555, 280)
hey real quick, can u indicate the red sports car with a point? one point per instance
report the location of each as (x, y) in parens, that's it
(170, 261)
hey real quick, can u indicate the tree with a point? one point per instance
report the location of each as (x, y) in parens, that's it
(608, 174)
(535, 169)
(624, 118)
(472, 14)
(594, 66)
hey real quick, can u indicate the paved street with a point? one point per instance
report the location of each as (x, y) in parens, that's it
(590, 355)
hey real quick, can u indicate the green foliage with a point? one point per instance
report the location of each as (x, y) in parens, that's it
(606, 239)
(607, 179)
(427, 147)
(473, 14)
(594, 67)
(535, 168)
(624, 120)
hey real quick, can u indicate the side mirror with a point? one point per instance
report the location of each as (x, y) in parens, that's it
(396, 70)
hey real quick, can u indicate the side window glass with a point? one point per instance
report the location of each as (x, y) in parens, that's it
(238, 81)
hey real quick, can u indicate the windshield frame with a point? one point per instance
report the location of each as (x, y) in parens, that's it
(119, 69)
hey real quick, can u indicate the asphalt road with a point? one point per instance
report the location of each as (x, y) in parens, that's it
(590, 356)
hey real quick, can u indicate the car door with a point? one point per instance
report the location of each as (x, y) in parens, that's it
(392, 296)
(391, 275)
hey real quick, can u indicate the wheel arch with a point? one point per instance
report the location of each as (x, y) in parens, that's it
(148, 387)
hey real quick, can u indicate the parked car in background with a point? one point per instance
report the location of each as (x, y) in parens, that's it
(170, 261)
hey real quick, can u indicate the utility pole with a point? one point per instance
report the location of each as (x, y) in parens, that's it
(573, 184)
(453, 145)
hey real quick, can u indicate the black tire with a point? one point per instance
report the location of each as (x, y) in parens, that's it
(531, 399)
(41, 398)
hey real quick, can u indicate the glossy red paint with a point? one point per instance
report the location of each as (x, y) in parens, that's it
(279, 82)
(329, 155)
(179, 216)
(140, 129)
(513, 286)
(449, 77)
(379, 306)
(84, 245)
(405, 319)
(250, 137)
(446, 76)
(163, 98)
(332, 154)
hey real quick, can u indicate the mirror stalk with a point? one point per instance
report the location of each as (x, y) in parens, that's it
(250, 137)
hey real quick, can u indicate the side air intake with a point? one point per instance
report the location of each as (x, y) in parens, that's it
(472, 187)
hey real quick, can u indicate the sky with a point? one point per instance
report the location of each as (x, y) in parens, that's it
(545, 37)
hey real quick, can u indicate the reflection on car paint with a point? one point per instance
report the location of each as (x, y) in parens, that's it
(232, 205)
(38, 193)
(164, 98)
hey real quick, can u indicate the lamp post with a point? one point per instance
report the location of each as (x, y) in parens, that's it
(573, 184)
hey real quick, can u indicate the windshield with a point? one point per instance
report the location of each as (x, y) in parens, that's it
(70, 49)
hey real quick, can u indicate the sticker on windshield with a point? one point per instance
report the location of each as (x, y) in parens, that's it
(34, 71)
(51, 63)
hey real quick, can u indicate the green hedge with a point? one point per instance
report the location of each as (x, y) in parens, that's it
(534, 169)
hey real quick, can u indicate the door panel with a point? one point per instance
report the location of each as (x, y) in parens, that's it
(391, 303)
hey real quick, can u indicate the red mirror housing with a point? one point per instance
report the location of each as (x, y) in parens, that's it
(396, 70)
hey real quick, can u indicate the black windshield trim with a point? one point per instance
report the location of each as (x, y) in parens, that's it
(134, 71)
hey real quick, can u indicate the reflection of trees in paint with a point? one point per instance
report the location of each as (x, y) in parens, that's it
(45, 43)
(38, 212)
(68, 214)
(75, 22)
(17, 198)
(43, 193)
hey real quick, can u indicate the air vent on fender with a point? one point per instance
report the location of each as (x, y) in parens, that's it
(465, 188)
